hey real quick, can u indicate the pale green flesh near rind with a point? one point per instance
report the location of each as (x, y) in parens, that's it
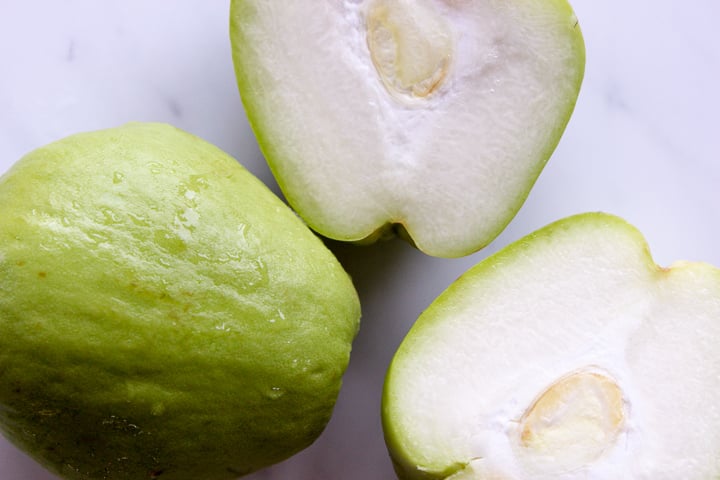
(162, 313)
(452, 167)
(580, 293)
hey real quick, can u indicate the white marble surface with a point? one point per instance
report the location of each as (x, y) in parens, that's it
(644, 143)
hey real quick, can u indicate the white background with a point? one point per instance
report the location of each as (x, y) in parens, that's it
(644, 143)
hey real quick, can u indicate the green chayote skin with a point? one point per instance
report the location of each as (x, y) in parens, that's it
(162, 313)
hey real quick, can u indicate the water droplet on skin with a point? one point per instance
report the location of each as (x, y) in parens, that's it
(188, 191)
(242, 231)
(169, 241)
(262, 272)
(118, 177)
(199, 182)
(162, 261)
(110, 217)
(138, 220)
(275, 392)
(99, 237)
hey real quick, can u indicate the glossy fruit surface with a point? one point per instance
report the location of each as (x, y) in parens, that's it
(162, 313)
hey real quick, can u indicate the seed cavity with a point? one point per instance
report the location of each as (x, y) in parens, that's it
(573, 422)
(411, 46)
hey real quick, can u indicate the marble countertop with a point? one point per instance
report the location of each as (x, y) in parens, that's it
(644, 143)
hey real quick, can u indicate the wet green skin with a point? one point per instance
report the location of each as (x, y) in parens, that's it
(162, 314)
